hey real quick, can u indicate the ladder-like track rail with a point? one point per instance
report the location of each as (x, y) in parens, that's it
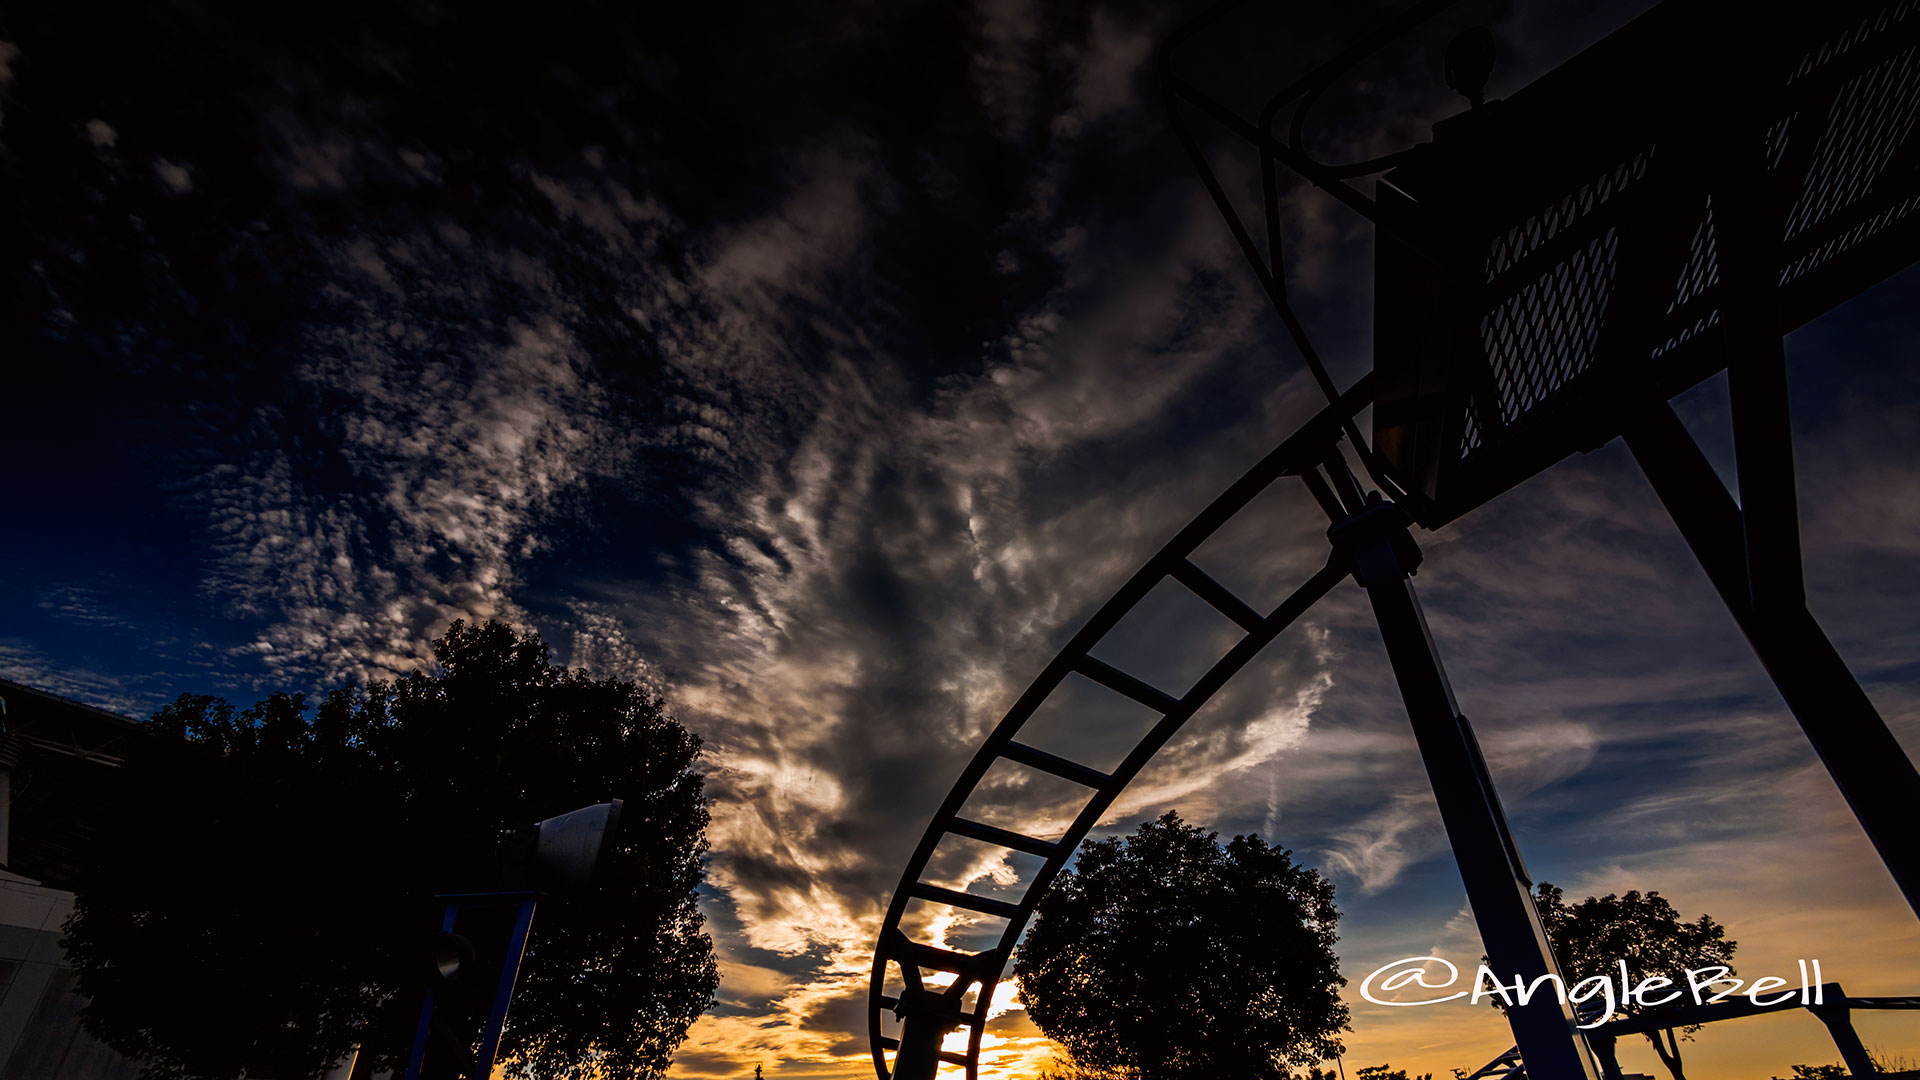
(1302, 455)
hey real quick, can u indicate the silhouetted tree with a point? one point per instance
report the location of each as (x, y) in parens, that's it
(1836, 1071)
(262, 898)
(1165, 955)
(1593, 936)
(1386, 1072)
(1065, 1068)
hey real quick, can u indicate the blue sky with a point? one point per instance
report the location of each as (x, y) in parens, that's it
(828, 369)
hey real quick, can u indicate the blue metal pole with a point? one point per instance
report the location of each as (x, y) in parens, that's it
(425, 1027)
(503, 994)
(1496, 880)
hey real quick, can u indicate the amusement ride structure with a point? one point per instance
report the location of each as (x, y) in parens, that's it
(1550, 270)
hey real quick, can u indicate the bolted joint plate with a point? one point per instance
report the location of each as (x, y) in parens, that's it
(942, 1008)
(1375, 542)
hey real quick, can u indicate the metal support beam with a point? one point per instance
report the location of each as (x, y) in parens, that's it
(1865, 760)
(1603, 1048)
(454, 1053)
(926, 1016)
(1733, 1008)
(503, 990)
(1498, 889)
(430, 1001)
(1839, 1021)
(1763, 453)
(926, 1020)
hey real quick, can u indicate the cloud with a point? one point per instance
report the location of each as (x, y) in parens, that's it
(174, 177)
(1376, 850)
(82, 605)
(440, 451)
(115, 692)
(892, 564)
(1004, 72)
(883, 577)
(836, 434)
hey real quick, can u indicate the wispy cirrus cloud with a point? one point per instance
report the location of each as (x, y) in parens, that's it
(24, 663)
(884, 580)
(82, 605)
(836, 427)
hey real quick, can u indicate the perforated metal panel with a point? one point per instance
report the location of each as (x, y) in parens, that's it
(1867, 126)
(1556, 258)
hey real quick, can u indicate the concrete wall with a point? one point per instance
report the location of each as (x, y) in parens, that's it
(40, 1034)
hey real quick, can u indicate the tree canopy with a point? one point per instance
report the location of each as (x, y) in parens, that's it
(1593, 936)
(1164, 954)
(260, 900)
(1386, 1072)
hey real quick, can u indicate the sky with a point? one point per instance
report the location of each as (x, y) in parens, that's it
(826, 366)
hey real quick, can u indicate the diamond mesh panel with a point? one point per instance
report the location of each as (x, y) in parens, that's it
(1871, 117)
(1692, 330)
(1702, 271)
(1899, 211)
(1523, 239)
(1841, 149)
(1470, 437)
(1544, 334)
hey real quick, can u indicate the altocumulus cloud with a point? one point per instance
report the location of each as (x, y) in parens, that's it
(835, 428)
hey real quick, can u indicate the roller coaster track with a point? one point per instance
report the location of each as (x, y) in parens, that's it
(1306, 454)
(1847, 67)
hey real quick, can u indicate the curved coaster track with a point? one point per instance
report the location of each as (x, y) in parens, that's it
(1313, 456)
(1545, 283)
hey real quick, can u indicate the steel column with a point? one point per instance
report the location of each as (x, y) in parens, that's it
(1603, 1048)
(1498, 889)
(503, 991)
(1864, 759)
(1763, 456)
(1839, 1021)
(480, 1066)
(423, 1030)
(926, 1018)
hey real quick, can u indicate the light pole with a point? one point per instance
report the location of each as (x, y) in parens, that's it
(557, 856)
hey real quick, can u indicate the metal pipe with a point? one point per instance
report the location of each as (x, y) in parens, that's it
(503, 992)
(429, 1002)
(1498, 891)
